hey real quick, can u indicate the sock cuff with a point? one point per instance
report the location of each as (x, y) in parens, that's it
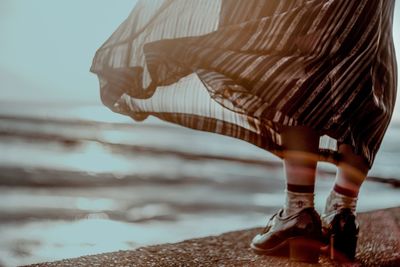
(345, 191)
(343, 197)
(300, 188)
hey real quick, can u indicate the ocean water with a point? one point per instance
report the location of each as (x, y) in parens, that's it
(78, 179)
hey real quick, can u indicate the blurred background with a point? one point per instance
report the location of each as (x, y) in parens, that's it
(77, 179)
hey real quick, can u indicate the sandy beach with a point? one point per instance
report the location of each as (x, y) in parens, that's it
(378, 245)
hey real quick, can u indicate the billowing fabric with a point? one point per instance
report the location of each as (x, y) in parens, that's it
(245, 68)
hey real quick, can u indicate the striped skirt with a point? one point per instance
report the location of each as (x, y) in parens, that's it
(245, 68)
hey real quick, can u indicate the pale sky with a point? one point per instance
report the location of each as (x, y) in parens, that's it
(47, 46)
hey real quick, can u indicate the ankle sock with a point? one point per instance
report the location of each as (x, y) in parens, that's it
(298, 197)
(341, 198)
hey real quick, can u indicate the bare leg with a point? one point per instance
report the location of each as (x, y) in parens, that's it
(300, 159)
(352, 171)
(340, 226)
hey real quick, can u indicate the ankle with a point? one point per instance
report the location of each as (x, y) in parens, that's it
(297, 201)
(337, 201)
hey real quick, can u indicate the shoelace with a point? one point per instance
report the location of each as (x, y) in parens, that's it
(269, 223)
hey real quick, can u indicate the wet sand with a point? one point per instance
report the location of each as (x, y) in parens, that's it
(379, 245)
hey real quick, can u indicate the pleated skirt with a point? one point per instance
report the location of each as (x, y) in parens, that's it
(246, 68)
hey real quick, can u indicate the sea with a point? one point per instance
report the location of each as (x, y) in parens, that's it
(77, 179)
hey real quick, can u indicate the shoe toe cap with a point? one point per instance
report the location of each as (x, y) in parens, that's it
(260, 241)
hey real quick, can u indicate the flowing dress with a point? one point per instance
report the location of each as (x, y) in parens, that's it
(245, 68)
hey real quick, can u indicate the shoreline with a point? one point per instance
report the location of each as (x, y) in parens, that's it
(378, 245)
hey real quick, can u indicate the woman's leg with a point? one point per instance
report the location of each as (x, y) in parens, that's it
(340, 226)
(300, 162)
(351, 173)
(296, 230)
